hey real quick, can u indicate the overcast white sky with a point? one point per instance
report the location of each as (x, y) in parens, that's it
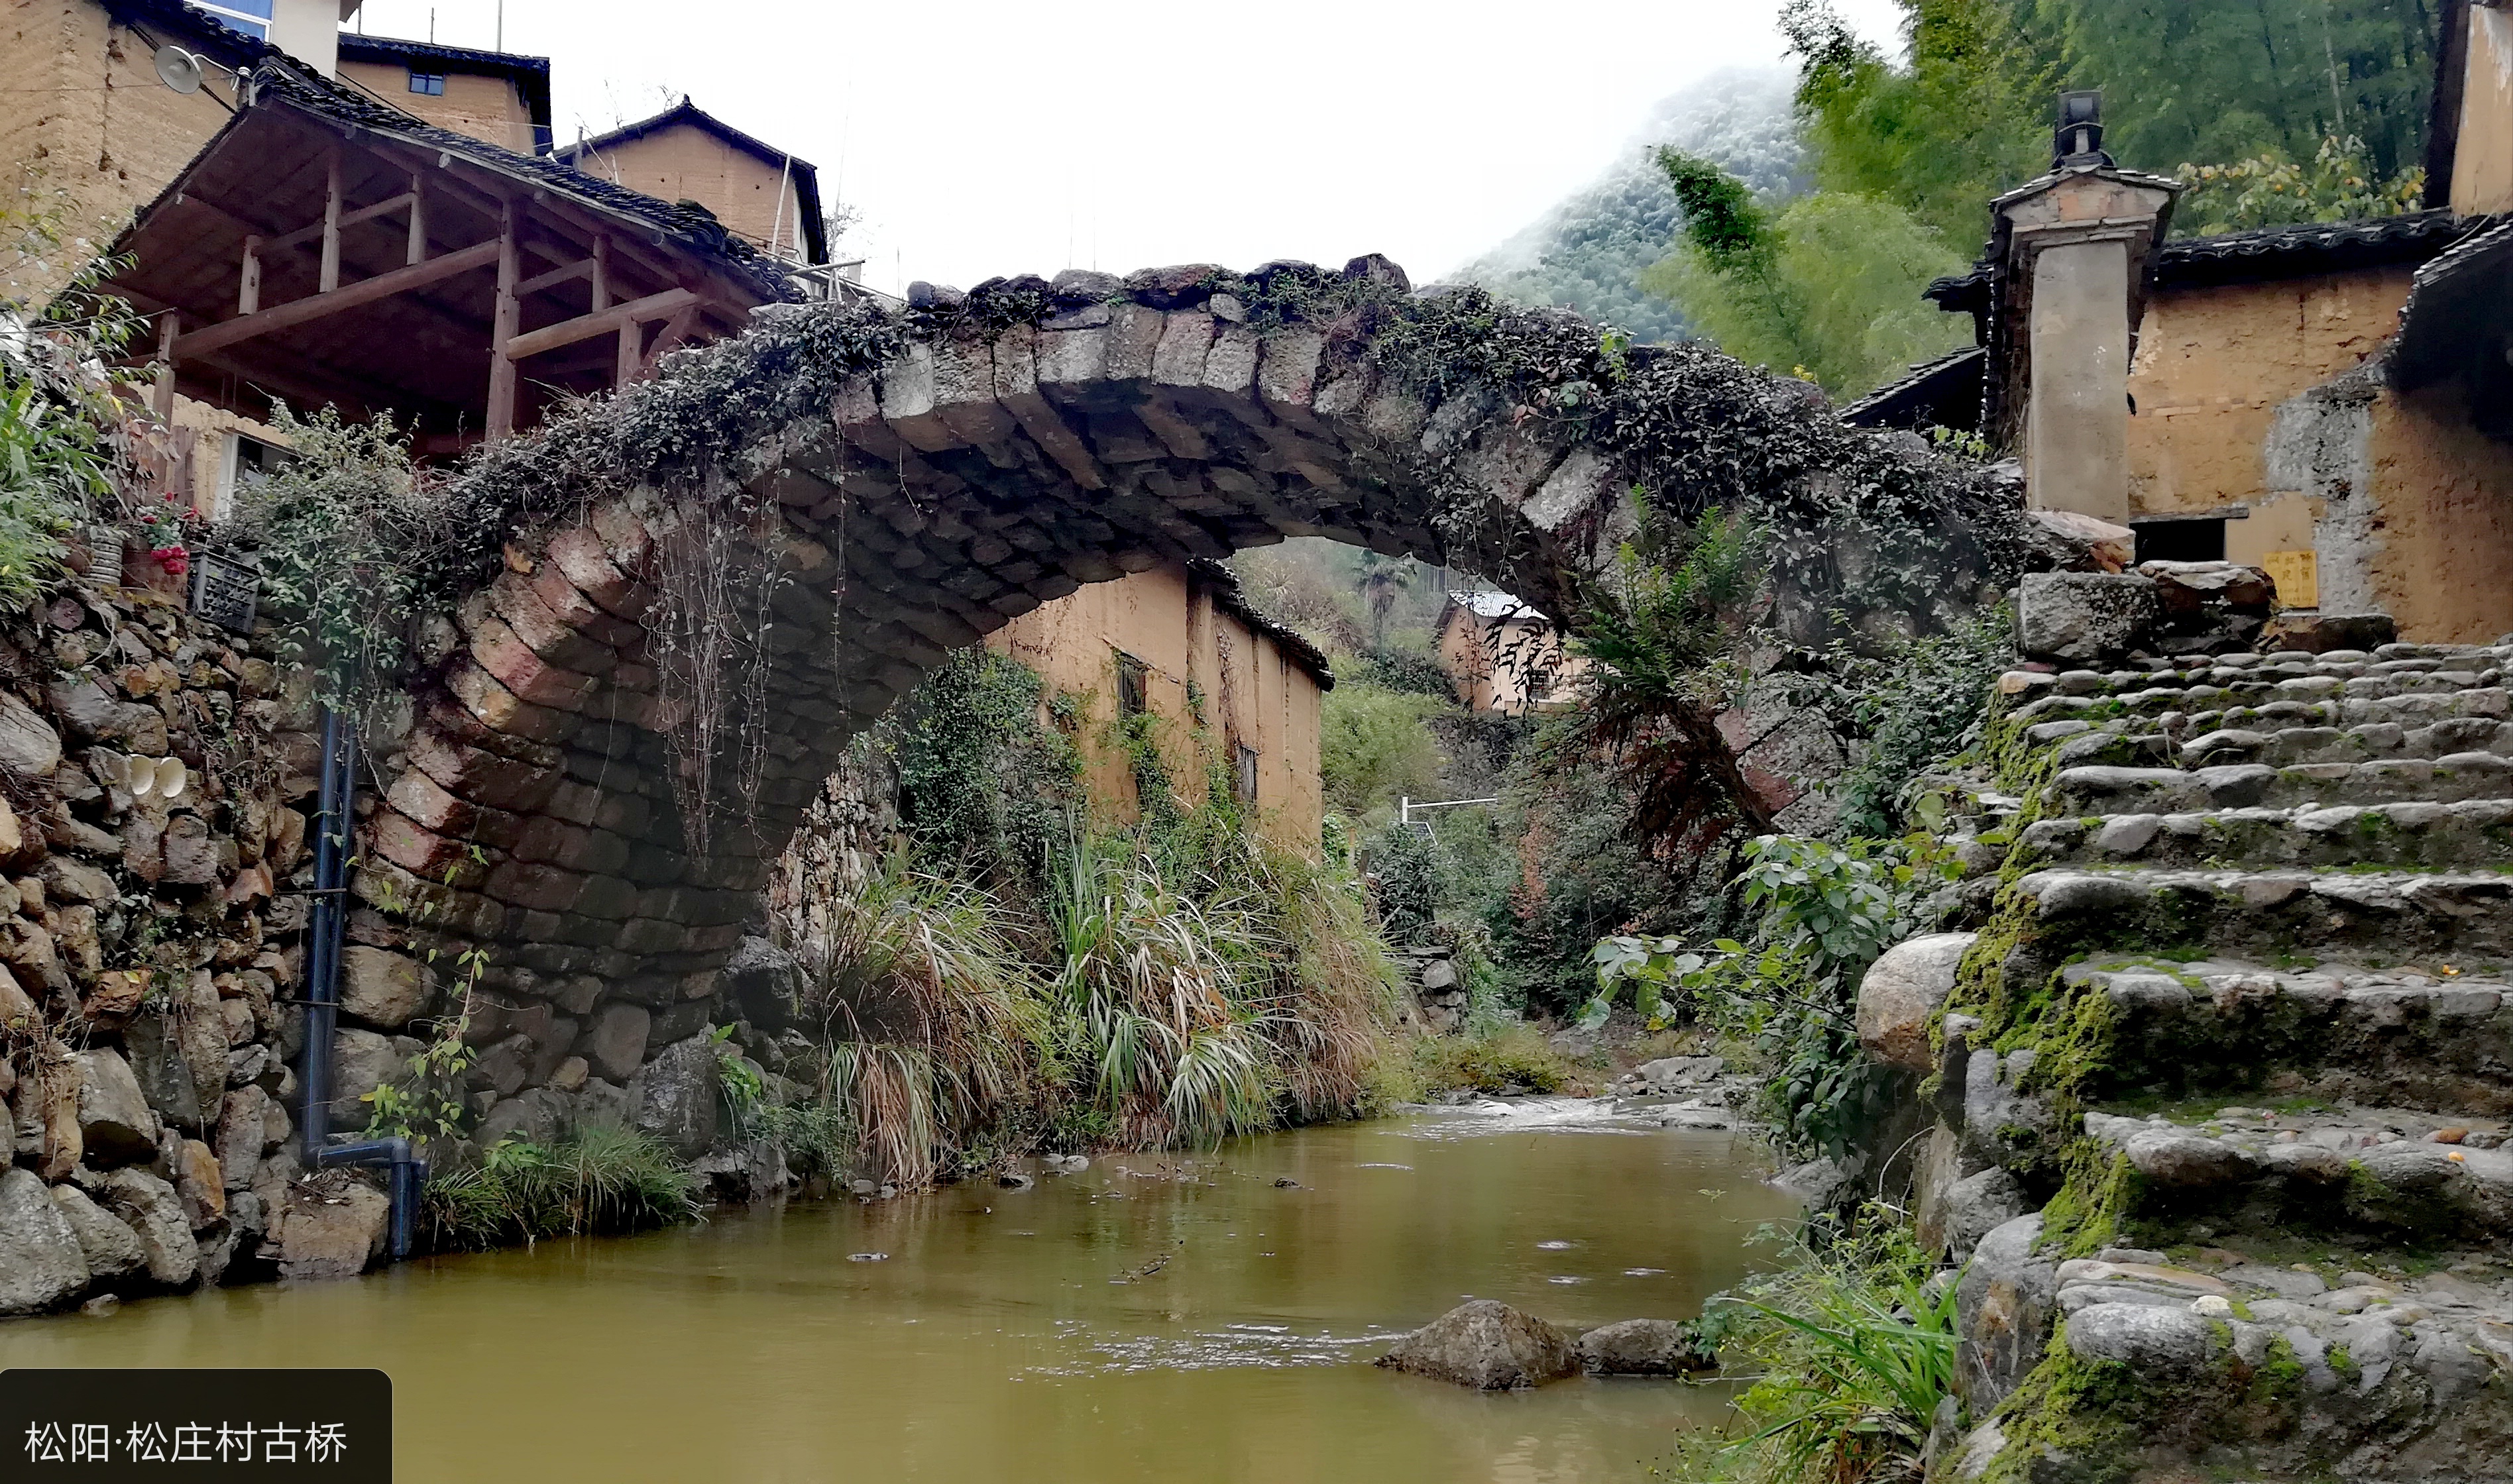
(982, 138)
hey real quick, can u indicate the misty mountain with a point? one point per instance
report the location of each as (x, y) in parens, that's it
(1587, 252)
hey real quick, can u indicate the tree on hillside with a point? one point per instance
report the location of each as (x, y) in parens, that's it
(1587, 252)
(1827, 286)
(1967, 114)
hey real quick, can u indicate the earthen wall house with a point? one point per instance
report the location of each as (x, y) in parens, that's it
(1502, 655)
(2319, 400)
(1219, 677)
(759, 192)
(90, 132)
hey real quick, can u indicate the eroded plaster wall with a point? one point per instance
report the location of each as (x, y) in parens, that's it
(2214, 365)
(1250, 690)
(82, 113)
(2441, 533)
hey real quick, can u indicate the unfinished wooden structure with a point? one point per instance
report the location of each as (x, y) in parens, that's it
(322, 251)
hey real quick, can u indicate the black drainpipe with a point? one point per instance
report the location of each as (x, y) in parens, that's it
(334, 820)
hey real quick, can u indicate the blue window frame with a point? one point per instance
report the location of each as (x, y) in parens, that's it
(251, 17)
(431, 83)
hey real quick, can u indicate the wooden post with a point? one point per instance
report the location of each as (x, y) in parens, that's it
(509, 318)
(631, 358)
(417, 221)
(248, 283)
(161, 397)
(601, 272)
(331, 223)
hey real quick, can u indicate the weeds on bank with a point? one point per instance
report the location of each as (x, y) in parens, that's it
(1138, 1003)
(600, 1180)
(1851, 1346)
(1511, 1059)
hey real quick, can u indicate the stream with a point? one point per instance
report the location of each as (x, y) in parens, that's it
(1153, 1318)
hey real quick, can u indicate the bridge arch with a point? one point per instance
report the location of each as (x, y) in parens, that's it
(786, 531)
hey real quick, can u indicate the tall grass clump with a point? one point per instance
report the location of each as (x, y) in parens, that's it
(600, 1180)
(925, 1018)
(1162, 999)
(1854, 1348)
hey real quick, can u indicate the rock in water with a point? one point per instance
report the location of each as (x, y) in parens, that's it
(333, 1225)
(1646, 1347)
(1487, 1346)
(41, 1263)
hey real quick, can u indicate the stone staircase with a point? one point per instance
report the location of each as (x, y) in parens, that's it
(2239, 1023)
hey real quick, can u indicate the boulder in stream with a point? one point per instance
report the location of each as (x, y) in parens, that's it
(1646, 1347)
(1487, 1346)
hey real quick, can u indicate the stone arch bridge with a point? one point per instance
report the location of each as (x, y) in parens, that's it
(913, 481)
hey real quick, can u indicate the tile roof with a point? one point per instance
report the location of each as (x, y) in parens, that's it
(1229, 597)
(276, 73)
(2295, 250)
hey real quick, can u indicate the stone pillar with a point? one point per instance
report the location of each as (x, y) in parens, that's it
(2072, 250)
(2076, 426)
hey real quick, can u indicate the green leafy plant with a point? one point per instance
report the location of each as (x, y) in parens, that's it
(1852, 1347)
(355, 541)
(2340, 183)
(602, 1179)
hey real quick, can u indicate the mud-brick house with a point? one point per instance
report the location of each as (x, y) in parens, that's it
(1224, 685)
(2324, 399)
(1504, 656)
(761, 193)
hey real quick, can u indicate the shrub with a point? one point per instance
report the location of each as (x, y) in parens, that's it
(1852, 1348)
(1514, 1057)
(927, 1021)
(600, 1180)
(1373, 746)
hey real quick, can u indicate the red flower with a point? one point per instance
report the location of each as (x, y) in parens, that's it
(173, 558)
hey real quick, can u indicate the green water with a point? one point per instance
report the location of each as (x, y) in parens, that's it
(1154, 1318)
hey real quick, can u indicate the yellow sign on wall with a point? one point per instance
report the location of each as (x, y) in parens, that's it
(2297, 576)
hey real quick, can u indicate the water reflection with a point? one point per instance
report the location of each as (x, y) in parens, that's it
(1152, 1318)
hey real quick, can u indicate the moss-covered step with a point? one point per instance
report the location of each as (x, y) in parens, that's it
(2255, 1373)
(2425, 837)
(2103, 790)
(2410, 1037)
(2461, 917)
(2347, 1171)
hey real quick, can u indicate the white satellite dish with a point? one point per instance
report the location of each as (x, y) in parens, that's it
(178, 69)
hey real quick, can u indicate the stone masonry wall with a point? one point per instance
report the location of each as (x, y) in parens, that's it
(150, 955)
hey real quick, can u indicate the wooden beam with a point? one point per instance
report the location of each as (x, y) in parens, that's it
(501, 329)
(248, 282)
(601, 271)
(631, 357)
(675, 330)
(330, 278)
(315, 306)
(161, 397)
(418, 249)
(554, 277)
(349, 219)
(584, 326)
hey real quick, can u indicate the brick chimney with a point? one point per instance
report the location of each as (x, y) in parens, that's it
(2072, 250)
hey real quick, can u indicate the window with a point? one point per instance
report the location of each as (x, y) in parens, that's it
(248, 462)
(2198, 540)
(431, 83)
(1133, 694)
(251, 17)
(1247, 774)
